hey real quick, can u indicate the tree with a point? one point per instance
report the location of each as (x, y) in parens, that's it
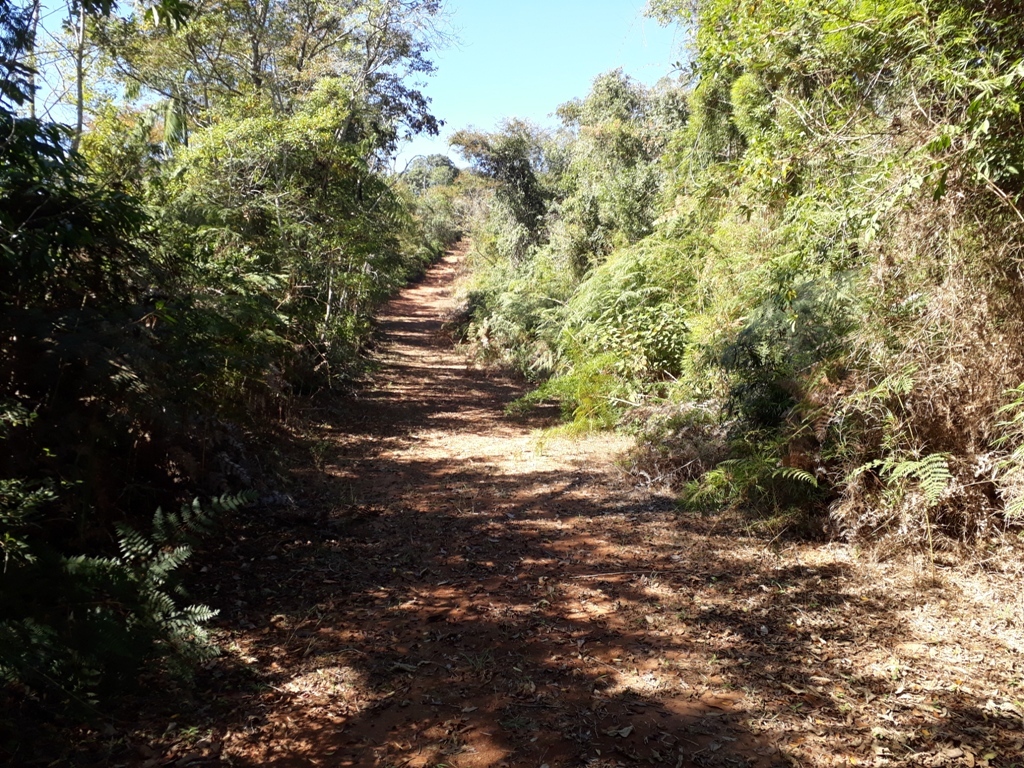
(279, 51)
(611, 182)
(423, 173)
(515, 156)
(154, 298)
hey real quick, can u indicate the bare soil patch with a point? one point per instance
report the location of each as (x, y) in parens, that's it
(453, 589)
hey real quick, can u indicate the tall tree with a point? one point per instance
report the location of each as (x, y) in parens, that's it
(278, 51)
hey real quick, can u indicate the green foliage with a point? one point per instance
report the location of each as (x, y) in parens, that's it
(444, 200)
(63, 238)
(235, 51)
(634, 306)
(753, 479)
(802, 323)
(930, 473)
(610, 183)
(77, 625)
(209, 244)
(21, 501)
(590, 394)
(74, 623)
(292, 238)
(425, 173)
(600, 185)
(789, 237)
(515, 157)
(751, 106)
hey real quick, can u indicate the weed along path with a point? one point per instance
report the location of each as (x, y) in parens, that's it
(452, 590)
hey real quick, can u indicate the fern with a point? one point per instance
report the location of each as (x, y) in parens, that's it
(156, 558)
(797, 475)
(713, 488)
(133, 545)
(195, 519)
(931, 474)
(755, 479)
(104, 616)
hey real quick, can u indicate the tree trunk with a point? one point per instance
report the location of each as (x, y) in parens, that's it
(79, 80)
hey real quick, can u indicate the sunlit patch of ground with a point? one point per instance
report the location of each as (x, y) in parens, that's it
(457, 587)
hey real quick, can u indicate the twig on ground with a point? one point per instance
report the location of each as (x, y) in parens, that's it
(626, 573)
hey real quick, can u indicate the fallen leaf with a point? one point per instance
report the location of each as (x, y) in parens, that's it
(725, 701)
(620, 732)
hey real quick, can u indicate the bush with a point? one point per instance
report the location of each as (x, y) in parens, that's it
(75, 625)
(826, 260)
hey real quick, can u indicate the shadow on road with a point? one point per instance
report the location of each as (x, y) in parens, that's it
(449, 592)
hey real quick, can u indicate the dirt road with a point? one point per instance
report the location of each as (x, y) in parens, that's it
(454, 589)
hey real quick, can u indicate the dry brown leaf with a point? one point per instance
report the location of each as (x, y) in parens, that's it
(726, 701)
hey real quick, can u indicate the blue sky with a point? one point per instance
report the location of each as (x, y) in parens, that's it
(523, 58)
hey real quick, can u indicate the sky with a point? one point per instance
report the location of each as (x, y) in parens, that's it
(523, 58)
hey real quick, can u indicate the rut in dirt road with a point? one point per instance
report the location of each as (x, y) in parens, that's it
(456, 611)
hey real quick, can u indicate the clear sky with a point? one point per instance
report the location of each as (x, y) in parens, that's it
(522, 58)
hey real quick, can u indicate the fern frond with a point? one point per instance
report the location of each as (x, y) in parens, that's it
(196, 518)
(868, 466)
(931, 474)
(796, 474)
(161, 566)
(133, 545)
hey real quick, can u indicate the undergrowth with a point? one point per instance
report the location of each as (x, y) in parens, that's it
(799, 286)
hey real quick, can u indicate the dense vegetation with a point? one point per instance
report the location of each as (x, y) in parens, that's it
(206, 244)
(794, 269)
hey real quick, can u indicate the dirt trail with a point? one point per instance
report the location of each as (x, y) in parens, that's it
(465, 620)
(454, 591)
